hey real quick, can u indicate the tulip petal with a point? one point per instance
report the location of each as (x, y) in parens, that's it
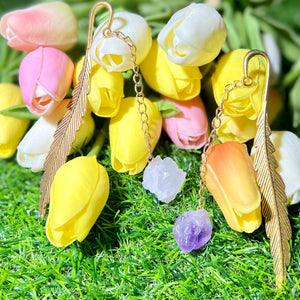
(239, 129)
(45, 77)
(169, 79)
(193, 36)
(231, 179)
(189, 128)
(48, 24)
(106, 89)
(128, 146)
(243, 101)
(35, 145)
(113, 53)
(11, 129)
(78, 194)
(287, 154)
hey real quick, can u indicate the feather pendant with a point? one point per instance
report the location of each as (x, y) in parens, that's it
(65, 133)
(274, 199)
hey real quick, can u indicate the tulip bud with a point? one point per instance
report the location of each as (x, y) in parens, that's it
(239, 129)
(194, 35)
(78, 194)
(242, 129)
(113, 53)
(45, 76)
(47, 25)
(189, 128)
(127, 143)
(287, 154)
(244, 103)
(231, 179)
(106, 89)
(169, 79)
(34, 147)
(11, 129)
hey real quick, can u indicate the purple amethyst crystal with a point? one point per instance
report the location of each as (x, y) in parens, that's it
(192, 229)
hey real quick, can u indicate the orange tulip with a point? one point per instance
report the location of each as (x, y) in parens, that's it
(231, 179)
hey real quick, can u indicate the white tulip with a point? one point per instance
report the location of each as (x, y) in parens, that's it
(287, 153)
(194, 35)
(35, 145)
(113, 53)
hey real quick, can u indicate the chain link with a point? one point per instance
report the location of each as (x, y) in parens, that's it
(138, 88)
(216, 124)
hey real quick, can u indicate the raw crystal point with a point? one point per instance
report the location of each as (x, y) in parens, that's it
(192, 229)
(163, 178)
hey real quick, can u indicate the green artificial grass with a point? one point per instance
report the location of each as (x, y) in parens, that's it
(131, 253)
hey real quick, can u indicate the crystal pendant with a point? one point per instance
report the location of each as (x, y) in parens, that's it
(192, 229)
(163, 178)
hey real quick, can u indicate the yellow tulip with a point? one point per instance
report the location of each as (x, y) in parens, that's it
(242, 129)
(244, 103)
(169, 79)
(239, 129)
(128, 147)
(11, 129)
(231, 179)
(106, 89)
(78, 194)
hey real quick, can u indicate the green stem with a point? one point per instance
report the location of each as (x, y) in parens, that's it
(99, 142)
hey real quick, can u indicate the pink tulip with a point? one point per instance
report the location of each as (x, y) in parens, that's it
(188, 129)
(49, 25)
(45, 76)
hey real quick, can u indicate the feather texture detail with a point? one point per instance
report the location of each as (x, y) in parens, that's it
(274, 199)
(65, 133)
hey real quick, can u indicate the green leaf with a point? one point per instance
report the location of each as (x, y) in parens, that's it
(232, 31)
(292, 75)
(253, 30)
(167, 108)
(19, 111)
(295, 103)
(241, 27)
(10, 60)
(284, 30)
(289, 49)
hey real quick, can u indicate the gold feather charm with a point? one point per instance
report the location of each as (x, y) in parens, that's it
(274, 199)
(68, 126)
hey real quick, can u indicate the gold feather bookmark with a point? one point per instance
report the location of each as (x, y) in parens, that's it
(68, 126)
(274, 199)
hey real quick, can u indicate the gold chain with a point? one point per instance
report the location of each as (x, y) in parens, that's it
(138, 88)
(216, 124)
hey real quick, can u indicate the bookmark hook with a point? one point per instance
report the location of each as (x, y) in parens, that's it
(247, 79)
(107, 29)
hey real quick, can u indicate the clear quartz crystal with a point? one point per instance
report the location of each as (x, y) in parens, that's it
(163, 178)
